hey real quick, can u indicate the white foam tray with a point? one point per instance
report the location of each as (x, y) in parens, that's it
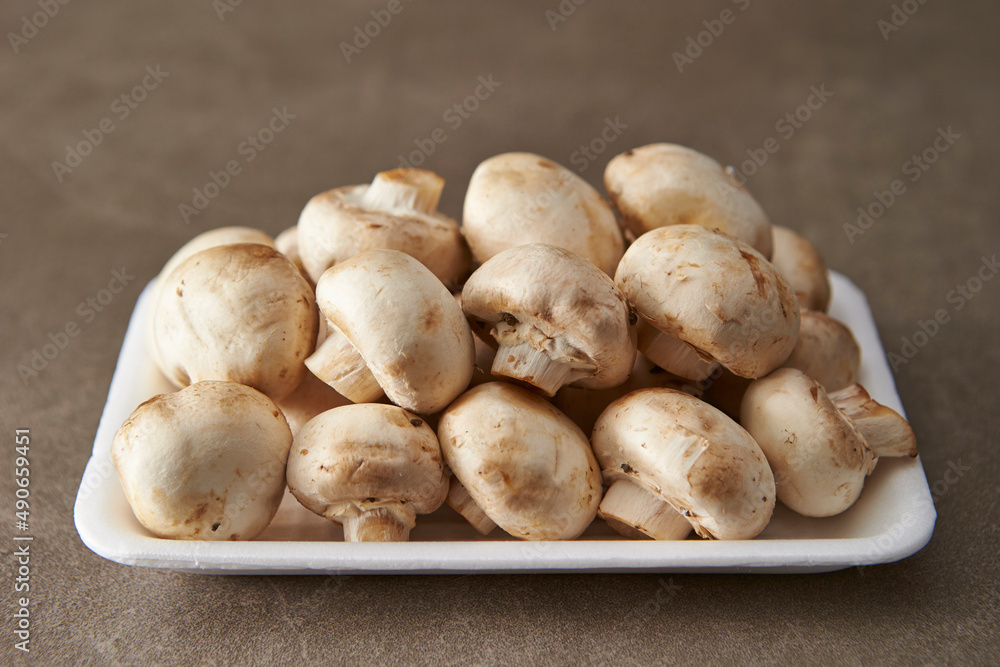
(893, 519)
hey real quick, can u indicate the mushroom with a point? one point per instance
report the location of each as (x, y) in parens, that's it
(666, 184)
(370, 467)
(311, 398)
(826, 351)
(556, 317)
(287, 243)
(704, 298)
(241, 313)
(666, 454)
(520, 463)
(210, 239)
(583, 406)
(802, 265)
(821, 446)
(398, 324)
(398, 211)
(519, 198)
(204, 463)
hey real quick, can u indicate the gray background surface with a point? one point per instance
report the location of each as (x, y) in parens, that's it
(61, 240)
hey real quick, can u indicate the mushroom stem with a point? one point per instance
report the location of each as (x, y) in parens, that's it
(524, 362)
(885, 431)
(386, 523)
(412, 189)
(627, 505)
(460, 501)
(338, 363)
(672, 355)
(527, 354)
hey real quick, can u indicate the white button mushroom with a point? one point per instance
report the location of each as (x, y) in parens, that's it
(206, 462)
(210, 239)
(371, 467)
(662, 446)
(821, 447)
(704, 298)
(402, 323)
(826, 351)
(666, 184)
(519, 198)
(397, 211)
(287, 243)
(583, 406)
(803, 266)
(311, 398)
(522, 463)
(556, 317)
(241, 313)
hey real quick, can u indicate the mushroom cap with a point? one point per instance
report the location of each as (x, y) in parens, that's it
(405, 324)
(692, 456)
(363, 456)
(584, 406)
(519, 198)
(335, 226)
(573, 307)
(803, 266)
(206, 462)
(213, 238)
(287, 243)
(210, 239)
(819, 457)
(826, 351)
(666, 184)
(715, 293)
(311, 398)
(527, 466)
(241, 313)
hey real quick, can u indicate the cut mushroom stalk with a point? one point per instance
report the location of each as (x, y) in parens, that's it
(460, 501)
(885, 431)
(411, 189)
(338, 363)
(526, 354)
(672, 354)
(627, 507)
(385, 523)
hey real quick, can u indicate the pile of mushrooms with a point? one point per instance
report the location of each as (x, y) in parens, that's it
(661, 360)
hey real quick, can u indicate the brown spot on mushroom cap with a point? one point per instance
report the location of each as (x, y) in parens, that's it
(759, 278)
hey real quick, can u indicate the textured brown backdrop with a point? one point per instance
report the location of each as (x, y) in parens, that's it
(63, 233)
